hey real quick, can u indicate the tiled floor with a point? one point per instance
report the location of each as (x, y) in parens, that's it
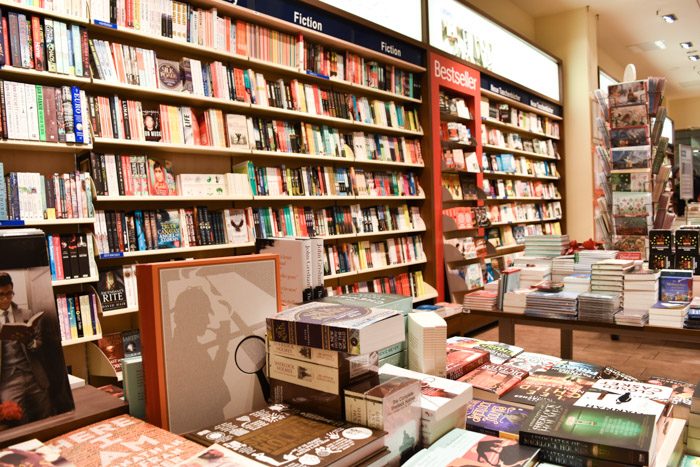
(633, 356)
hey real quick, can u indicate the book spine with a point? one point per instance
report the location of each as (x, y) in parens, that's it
(76, 102)
(583, 448)
(305, 374)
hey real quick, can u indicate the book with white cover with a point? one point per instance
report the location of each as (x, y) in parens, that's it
(634, 389)
(427, 335)
(621, 403)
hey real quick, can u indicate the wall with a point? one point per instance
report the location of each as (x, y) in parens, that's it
(508, 14)
(610, 65)
(685, 113)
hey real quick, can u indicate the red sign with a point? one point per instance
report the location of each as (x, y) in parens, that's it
(455, 75)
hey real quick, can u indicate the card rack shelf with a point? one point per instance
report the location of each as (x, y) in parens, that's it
(212, 158)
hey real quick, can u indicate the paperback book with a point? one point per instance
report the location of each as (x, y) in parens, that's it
(495, 419)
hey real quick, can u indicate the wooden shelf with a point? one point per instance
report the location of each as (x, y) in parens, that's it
(81, 340)
(329, 158)
(430, 293)
(372, 270)
(518, 105)
(522, 198)
(11, 72)
(457, 144)
(491, 174)
(448, 117)
(173, 251)
(373, 234)
(511, 127)
(120, 312)
(388, 163)
(38, 146)
(46, 222)
(502, 149)
(389, 198)
(81, 280)
(538, 221)
(43, 12)
(506, 250)
(174, 199)
(168, 147)
(301, 198)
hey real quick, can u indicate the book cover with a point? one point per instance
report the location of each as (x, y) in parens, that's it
(168, 228)
(151, 122)
(461, 361)
(160, 178)
(343, 328)
(681, 394)
(492, 380)
(498, 351)
(601, 434)
(634, 389)
(112, 289)
(616, 402)
(675, 289)
(131, 341)
(613, 373)
(237, 131)
(549, 384)
(574, 368)
(169, 76)
(113, 347)
(495, 419)
(279, 435)
(532, 362)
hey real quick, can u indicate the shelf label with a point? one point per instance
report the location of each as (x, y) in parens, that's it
(11, 223)
(506, 90)
(112, 255)
(454, 75)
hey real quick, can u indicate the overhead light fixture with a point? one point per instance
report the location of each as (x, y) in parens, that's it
(693, 58)
(660, 44)
(671, 18)
(686, 45)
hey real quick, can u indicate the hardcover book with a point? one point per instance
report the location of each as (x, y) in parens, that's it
(343, 328)
(681, 395)
(151, 123)
(600, 434)
(237, 131)
(675, 289)
(160, 178)
(169, 76)
(112, 289)
(168, 228)
(491, 380)
(494, 419)
(279, 435)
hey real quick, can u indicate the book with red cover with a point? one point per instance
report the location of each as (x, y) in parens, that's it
(491, 381)
(461, 361)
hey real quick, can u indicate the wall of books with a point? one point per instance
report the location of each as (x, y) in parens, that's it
(132, 140)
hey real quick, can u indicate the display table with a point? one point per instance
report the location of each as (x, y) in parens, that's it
(507, 322)
(91, 405)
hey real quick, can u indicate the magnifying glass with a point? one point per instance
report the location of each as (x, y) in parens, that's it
(250, 359)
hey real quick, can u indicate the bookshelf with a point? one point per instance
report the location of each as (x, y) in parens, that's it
(48, 158)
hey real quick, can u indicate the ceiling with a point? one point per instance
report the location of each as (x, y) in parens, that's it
(627, 30)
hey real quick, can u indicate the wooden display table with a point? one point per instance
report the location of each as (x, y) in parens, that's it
(507, 322)
(91, 405)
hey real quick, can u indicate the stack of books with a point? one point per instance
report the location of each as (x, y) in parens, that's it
(608, 275)
(577, 283)
(549, 246)
(692, 321)
(533, 275)
(508, 282)
(498, 351)
(491, 381)
(561, 305)
(586, 259)
(598, 306)
(462, 360)
(309, 370)
(427, 334)
(694, 424)
(562, 266)
(462, 447)
(641, 291)
(515, 301)
(668, 314)
(443, 402)
(484, 300)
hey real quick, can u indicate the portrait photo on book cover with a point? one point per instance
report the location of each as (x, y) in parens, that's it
(33, 381)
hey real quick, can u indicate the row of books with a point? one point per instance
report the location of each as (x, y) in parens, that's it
(124, 175)
(511, 235)
(71, 256)
(299, 221)
(185, 23)
(473, 217)
(455, 132)
(508, 188)
(32, 112)
(43, 44)
(456, 159)
(323, 181)
(77, 8)
(454, 106)
(519, 165)
(360, 256)
(406, 284)
(506, 140)
(459, 186)
(117, 346)
(30, 195)
(78, 315)
(523, 119)
(143, 230)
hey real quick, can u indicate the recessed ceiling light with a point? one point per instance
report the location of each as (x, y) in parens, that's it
(670, 18)
(686, 45)
(660, 44)
(693, 58)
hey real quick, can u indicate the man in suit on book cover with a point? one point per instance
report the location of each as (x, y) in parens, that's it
(23, 378)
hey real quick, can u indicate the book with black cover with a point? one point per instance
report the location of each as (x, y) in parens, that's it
(112, 289)
(600, 434)
(495, 419)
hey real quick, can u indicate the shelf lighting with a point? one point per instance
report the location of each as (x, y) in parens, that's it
(671, 18)
(693, 58)
(686, 45)
(660, 44)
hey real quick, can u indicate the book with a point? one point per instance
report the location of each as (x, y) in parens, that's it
(168, 228)
(160, 178)
(549, 384)
(22, 332)
(237, 131)
(256, 436)
(112, 346)
(169, 76)
(625, 403)
(151, 123)
(112, 289)
(427, 333)
(492, 380)
(342, 328)
(495, 419)
(461, 361)
(533, 362)
(600, 434)
(681, 394)
(498, 351)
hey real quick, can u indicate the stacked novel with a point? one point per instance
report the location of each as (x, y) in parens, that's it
(443, 402)
(533, 275)
(549, 246)
(694, 424)
(427, 333)
(484, 300)
(494, 419)
(607, 276)
(675, 294)
(388, 403)
(562, 266)
(577, 283)
(316, 350)
(515, 301)
(641, 289)
(461, 447)
(533, 362)
(491, 381)
(462, 360)
(561, 305)
(586, 259)
(598, 306)
(668, 314)
(498, 351)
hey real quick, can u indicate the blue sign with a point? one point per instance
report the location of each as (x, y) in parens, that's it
(507, 90)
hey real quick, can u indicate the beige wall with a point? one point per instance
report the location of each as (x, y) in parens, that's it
(610, 65)
(685, 113)
(572, 37)
(508, 14)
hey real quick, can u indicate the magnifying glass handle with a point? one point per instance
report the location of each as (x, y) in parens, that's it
(264, 384)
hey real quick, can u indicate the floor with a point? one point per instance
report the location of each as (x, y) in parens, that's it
(630, 355)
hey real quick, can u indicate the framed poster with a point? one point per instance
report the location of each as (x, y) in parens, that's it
(202, 333)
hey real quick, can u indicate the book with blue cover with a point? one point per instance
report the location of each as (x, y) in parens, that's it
(675, 289)
(168, 228)
(494, 419)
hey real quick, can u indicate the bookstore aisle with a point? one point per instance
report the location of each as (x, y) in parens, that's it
(300, 233)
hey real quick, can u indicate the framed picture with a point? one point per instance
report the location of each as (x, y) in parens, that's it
(202, 333)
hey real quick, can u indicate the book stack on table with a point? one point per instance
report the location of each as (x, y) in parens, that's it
(694, 424)
(598, 306)
(562, 266)
(641, 289)
(563, 305)
(692, 320)
(586, 258)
